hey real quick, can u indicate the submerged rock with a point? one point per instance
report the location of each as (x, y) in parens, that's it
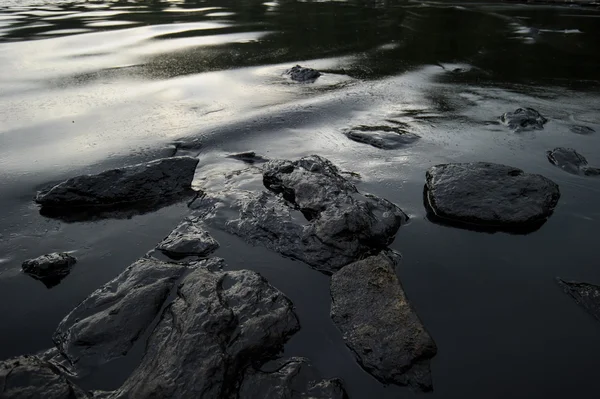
(188, 239)
(50, 269)
(571, 161)
(586, 295)
(524, 119)
(320, 217)
(149, 181)
(219, 325)
(489, 195)
(107, 323)
(377, 322)
(582, 129)
(304, 75)
(29, 377)
(292, 378)
(248, 157)
(383, 137)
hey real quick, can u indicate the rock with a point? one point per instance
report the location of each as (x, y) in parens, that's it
(523, 119)
(383, 137)
(188, 239)
(106, 324)
(219, 325)
(304, 75)
(581, 129)
(249, 157)
(586, 295)
(571, 161)
(50, 269)
(29, 377)
(489, 195)
(379, 325)
(149, 181)
(293, 378)
(325, 222)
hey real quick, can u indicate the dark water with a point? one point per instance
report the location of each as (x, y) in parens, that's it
(89, 85)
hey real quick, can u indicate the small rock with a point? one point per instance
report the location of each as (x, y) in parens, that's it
(383, 137)
(188, 239)
(571, 161)
(489, 195)
(292, 378)
(219, 325)
(50, 269)
(29, 377)
(377, 322)
(304, 75)
(586, 295)
(523, 119)
(249, 157)
(581, 129)
(131, 184)
(107, 323)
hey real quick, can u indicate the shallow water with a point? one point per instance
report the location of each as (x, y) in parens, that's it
(89, 85)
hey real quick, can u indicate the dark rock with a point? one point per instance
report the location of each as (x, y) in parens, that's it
(377, 322)
(383, 137)
(524, 119)
(50, 269)
(581, 129)
(130, 184)
(586, 295)
(106, 324)
(188, 239)
(325, 222)
(29, 377)
(490, 195)
(304, 75)
(249, 157)
(219, 325)
(292, 378)
(571, 161)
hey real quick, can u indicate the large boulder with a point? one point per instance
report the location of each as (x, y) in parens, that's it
(107, 323)
(489, 195)
(379, 325)
(586, 295)
(571, 161)
(523, 119)
(318, 217)
(50, 269)
(292, 378)
(29, 377)
(188, 239)
(131, 184)
(219, 325)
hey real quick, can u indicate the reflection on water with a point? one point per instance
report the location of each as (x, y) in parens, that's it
(88, 85)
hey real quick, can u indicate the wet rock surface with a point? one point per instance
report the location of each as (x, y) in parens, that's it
(489, 195)
(292, 378)
(188, 239)
(571, 161)
(106, 324)
(382, 136)
(582, 129)
(586, 295)
(318, 216)
(50, 269)
(29, 377)
(303, 75)
(377, 322)
(249, 157)
(220, 324)
(523, 119)
(139, 183)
